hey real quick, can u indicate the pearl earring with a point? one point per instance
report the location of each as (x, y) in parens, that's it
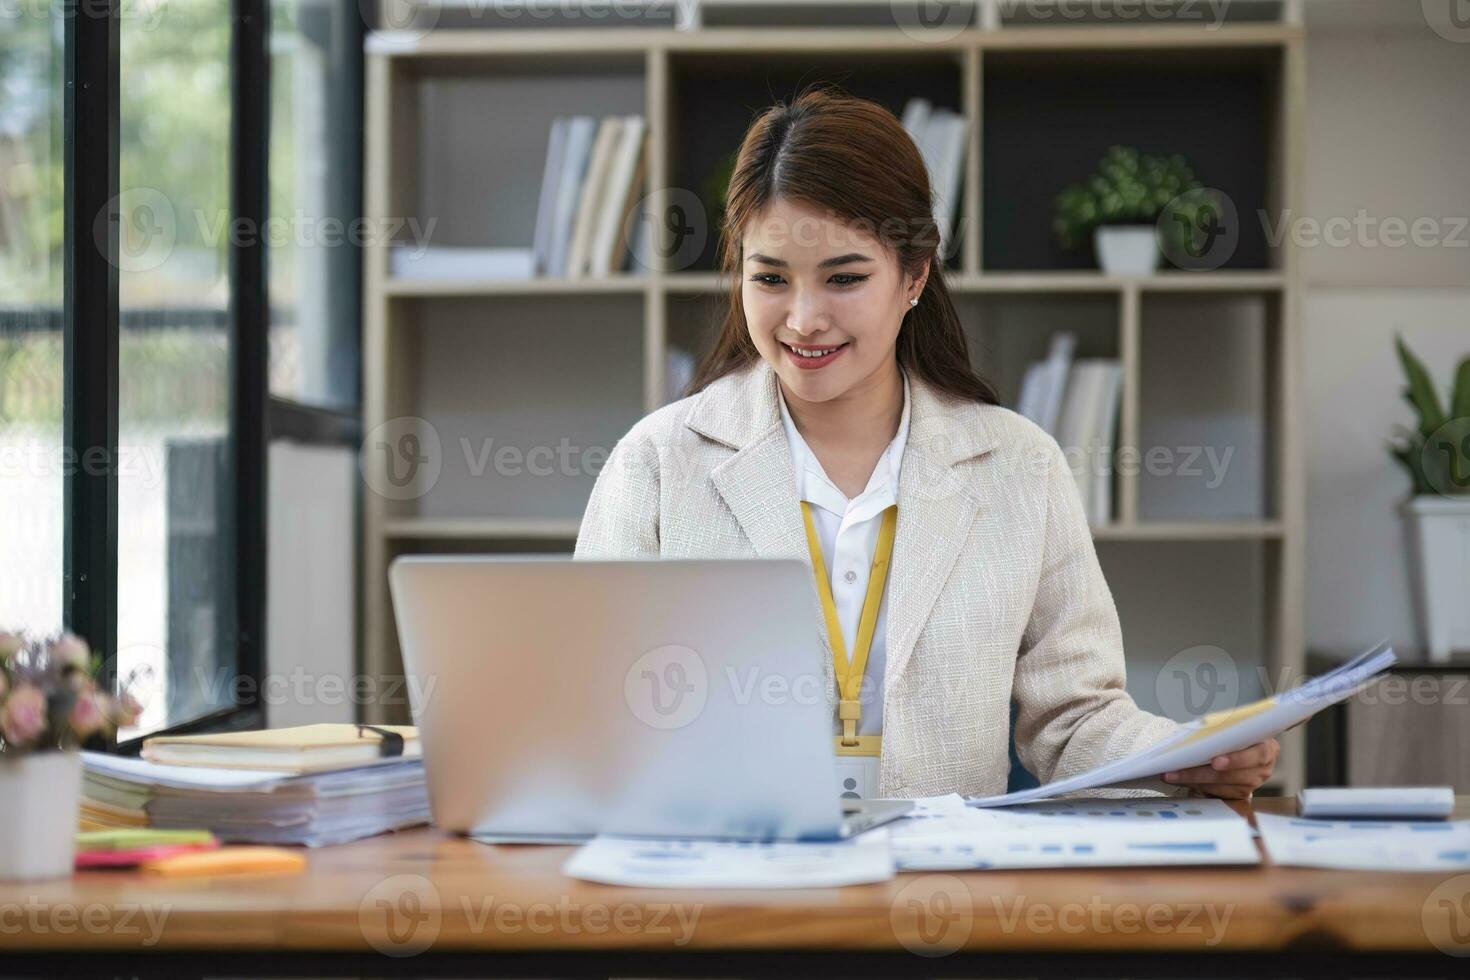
(914, 301)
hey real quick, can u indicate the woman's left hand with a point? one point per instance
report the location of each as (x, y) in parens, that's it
(1234, 776)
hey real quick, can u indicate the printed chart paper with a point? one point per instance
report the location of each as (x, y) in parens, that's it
(686, 863)
(1367, 845)
(944, 834)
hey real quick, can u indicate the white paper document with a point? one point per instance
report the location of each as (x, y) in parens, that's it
(943, 834)
(1367, 845)
(687, 863)
(1199, 741)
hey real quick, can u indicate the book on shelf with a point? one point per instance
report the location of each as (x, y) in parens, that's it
(581, 131)
(1078, 403)
(639, 257)
(1046, 381)
(625, 179)
(594, 190)
(441, 262)
(940, 135)
(556, 148)
(1089, 416)
(585, 220)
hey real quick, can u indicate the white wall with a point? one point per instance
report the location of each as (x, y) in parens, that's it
(1386, 133)
(311, 585)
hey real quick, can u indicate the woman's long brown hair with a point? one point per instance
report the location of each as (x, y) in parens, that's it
(853, 160)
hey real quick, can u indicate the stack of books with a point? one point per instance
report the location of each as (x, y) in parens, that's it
(585, 225)
(313, 785)
(1077, 402)
(585, 221)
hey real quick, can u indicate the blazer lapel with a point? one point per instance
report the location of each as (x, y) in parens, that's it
(756, 483)
(936, 508)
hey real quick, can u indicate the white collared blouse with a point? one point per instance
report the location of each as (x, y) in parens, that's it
(848, 531)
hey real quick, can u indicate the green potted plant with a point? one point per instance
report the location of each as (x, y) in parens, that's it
(1119, 205)
(49, 706)
(1436, 454)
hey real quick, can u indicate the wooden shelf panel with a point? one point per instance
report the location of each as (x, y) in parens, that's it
(1190, 531)
(554, 287)
(441, 528)
(1045, 282)
(519, 527)
(574, 43)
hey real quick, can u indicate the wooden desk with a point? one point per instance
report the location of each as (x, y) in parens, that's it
(423, 902)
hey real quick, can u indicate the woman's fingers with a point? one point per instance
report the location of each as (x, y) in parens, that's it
(1207, 776)
(1260, 754)
(1252, 762)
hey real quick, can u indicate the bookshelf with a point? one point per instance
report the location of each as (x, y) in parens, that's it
(456, 129)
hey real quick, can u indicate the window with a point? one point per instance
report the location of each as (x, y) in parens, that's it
(315, 193)
(134, 323)
(31, 383)
(175, 585)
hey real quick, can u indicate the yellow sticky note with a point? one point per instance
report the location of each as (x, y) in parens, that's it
(229, 860)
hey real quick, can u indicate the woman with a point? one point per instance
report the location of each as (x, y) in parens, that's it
(837, 419)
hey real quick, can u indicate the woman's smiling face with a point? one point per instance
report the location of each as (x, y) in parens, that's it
(823, 301)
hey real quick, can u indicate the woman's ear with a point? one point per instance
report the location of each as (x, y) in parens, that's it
(918, 283)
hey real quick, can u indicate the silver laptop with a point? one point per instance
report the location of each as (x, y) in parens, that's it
(559, 699)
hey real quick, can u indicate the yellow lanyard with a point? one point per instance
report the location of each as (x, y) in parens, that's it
(850, 672)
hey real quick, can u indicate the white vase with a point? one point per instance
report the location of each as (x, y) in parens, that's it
(1438, 529)
(1126, 250)
(40, 799)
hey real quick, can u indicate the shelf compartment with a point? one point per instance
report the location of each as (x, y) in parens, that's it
(479, 185)
(524, 399)
(714, 97)
(1049, 116)
(1208, 402)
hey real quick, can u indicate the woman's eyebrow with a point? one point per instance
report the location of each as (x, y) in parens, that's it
(824, 264)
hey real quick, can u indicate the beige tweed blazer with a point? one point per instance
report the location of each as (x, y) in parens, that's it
(995, 591)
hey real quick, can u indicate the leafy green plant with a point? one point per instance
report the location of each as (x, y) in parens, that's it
(1436, 452)
(1132, 187)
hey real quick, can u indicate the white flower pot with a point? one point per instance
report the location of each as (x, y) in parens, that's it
(40, 799)
(1126, 250)
(1438, 529)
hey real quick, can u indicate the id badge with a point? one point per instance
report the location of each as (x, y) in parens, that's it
(857, 777)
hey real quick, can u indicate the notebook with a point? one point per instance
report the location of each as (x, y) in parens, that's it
(306, 748)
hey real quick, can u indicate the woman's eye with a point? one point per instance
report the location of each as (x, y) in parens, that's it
(841, 279)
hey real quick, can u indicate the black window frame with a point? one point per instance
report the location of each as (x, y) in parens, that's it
(91, 328)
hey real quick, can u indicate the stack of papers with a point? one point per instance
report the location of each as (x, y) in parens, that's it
(1199, 741)
(258, 806)
(1367, 845)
